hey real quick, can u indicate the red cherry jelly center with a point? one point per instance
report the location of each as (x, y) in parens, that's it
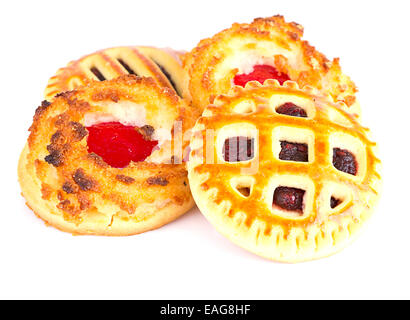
(118, 144)
(261, 72)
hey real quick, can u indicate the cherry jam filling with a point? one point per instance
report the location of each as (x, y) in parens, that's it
(294, 151)
(245, 191)
(344, 161)
(261, 72)
(334, 202)
(290, 199)
(291, 109)
(237, 149)
(118, 144)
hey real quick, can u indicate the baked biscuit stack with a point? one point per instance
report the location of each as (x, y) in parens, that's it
(278, 161)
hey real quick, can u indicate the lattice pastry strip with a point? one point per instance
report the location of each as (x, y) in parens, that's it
(163, 65)
(307, 185)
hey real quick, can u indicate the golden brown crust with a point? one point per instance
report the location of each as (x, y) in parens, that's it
(163, 65)
(211, 66)
(252, 221)
(78, 188)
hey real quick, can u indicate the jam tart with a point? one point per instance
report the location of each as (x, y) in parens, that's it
(283, 172)
(163, 65)
(101, 159)
(267, 48)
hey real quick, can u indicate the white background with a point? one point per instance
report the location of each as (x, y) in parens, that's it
(187, 258)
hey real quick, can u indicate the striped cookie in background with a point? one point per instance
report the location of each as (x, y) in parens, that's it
(163, 65)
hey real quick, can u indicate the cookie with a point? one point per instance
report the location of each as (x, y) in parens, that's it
(107, 158)
(163, 65)
(267, 48)
(283, 172)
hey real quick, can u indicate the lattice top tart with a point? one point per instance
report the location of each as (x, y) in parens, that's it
(283, 172)
(267, 48)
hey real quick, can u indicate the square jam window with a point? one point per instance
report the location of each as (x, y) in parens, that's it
(238, 149)
(291, 151)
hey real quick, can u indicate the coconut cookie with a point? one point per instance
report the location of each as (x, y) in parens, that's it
(283, 172)
(268, 48)
(107, 158)
(163, 65)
